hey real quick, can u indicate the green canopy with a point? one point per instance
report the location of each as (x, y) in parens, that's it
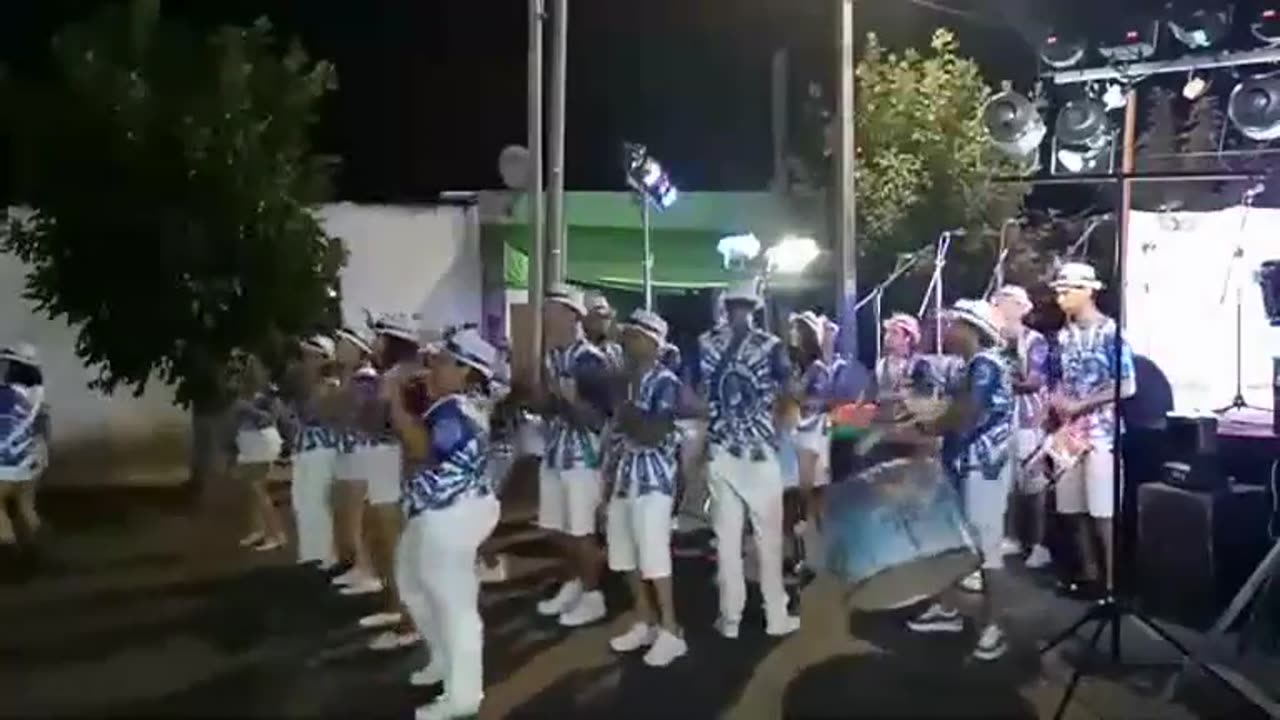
(606, 243)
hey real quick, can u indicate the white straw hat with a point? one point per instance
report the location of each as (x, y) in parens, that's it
(813, 321)
(649, 324)
(1076, 275)
(470, 349)
(321, 345)
(979, 314)
(905, 323)
(567, 296)
(355, 337)
(744, 291)
(397, 325)
(1016, 293)
(23, 352)
(598, 304)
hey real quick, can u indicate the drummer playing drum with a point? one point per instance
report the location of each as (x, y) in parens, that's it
(975, 433)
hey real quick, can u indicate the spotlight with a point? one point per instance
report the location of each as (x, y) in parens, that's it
(1254, 108)
(1137, 41)
(792, 255)
(1060, 52)
(1199, 29)
(647, 177)
(1195, 86)
(1014, 125)
(1082, 136)
(1266, 26)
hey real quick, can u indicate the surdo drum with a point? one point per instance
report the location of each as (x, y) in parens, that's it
(895, 534)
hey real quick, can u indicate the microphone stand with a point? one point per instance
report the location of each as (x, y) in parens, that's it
(1233, 273)
(876, 297)
(934, 290)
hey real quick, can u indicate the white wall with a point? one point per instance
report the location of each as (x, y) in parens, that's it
(1176, 311)
(423, 260)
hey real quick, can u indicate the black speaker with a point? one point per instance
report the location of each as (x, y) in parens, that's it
(1275, 396)
(1192, 458)
(1269, 279)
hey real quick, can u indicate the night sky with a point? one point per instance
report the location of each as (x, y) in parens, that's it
(431, 90)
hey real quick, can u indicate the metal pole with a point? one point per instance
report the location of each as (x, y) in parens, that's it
(845, 202)
(537, 228)
(943, 245)
(648, 254)
(1128, 152)
(556, 230)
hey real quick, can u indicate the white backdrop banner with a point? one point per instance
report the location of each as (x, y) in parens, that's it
(1181, 282)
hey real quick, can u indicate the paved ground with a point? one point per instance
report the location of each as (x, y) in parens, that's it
(146, 609)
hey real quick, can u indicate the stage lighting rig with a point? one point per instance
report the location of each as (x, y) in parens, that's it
(1254, 108)
(1014, 125)
(1137, 40)
(1266, 25)
(1198, 28)
(1060, 51)
(1083, 139)
(646, 176)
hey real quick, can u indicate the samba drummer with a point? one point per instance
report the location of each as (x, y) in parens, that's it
(900, 364)
(975, 433)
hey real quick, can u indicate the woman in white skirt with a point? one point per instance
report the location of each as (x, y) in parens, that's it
(810, 390)
(451, 510)
(23, 440)
(258, 444)
(315, 452)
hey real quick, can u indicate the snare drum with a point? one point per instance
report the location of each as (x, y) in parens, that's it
(1066, 447)
(896, 534)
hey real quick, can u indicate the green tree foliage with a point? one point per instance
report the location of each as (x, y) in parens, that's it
(171, 183)
(925, 164)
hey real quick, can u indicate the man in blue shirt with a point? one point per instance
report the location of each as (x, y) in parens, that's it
(643, 490)
(1084, 394)
(975, 452)
(743, 373)
(576, 381)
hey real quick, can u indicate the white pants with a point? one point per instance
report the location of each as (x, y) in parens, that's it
(379, 465)
(638, 532)
(742, 488)
(1088, 487)
(436, 577)
(312, 483)
(985, 503)
(568, 500)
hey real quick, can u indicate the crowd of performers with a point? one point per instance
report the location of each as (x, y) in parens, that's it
(400, 450)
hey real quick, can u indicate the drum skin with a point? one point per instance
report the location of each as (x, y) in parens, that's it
(895, 534)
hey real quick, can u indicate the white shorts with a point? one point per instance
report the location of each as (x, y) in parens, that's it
(1031, 480)
(380, 466)
(258, 446)
(985, 503)
(568, 500)
(17, 473)
(638, 535)
(1088, 487)
(346, 465)
(531, 439)
(819, 442)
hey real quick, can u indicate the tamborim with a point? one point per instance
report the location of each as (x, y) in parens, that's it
(896, 534)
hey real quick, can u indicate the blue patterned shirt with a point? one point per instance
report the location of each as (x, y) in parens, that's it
(815, 389)
(1087, 366)
(458, 432)
(17, 428)
(1032, 357)
(643, 469)
(983, 447)
(741, 378)
(584, 366)
(312, 433)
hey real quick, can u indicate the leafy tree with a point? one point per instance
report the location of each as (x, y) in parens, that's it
(171, 183)
(925, 164)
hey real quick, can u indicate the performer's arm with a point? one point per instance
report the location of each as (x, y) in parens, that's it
(653, 427)
(588, 404)
(410, 428)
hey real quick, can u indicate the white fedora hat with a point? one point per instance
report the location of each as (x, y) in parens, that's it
(469, 348)
(355, 337)
(598, 304)
(23, 352)
(744, 291)
(813, 321)
(905, 323)
(567, 296)
(979, 314)
(1016, 293)
(397, 325)
(649, 324)
(1076, 275)
(321, 345)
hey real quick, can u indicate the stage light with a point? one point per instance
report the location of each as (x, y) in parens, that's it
(792, 255)
(1195, 86)
(1254, 108)
(1014, 125)
(1266, 26)
(1082, 136)
(738, 250)
(1060, 52)
(1199, 28)
(1136, 41)
(646, 176)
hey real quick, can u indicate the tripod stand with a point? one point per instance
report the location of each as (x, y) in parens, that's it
(1233, 273)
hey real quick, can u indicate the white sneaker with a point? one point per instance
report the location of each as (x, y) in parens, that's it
(377, 621)
(589, 608)
(432, 674)
(391, 640)
(491, 574)
(252, 539)
(727, 628)
(367, 586)
(991, 644)
(937, 619)
(1009, 546)
(351, 576)
(640, 635)
(565, 598)
(972, 583)
(665, 650)
(1039, 557)
(782, 627)
(446, 708)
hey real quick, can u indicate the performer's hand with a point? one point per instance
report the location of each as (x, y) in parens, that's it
(1066, 408)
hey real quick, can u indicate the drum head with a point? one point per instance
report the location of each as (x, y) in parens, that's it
(908, 584)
